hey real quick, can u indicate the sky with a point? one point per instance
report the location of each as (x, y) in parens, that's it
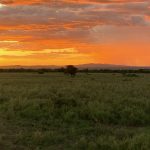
(62, 32)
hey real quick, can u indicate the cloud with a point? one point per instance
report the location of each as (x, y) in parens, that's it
(85, 25)
(23, 2)
(16, 53)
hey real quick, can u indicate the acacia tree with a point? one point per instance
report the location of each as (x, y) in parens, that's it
(71, 70)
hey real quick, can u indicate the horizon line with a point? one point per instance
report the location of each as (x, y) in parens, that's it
(123, 65)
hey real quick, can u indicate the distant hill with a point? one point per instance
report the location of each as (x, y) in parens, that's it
(29, 67)
(109, 66)
(90, 66)
(101, 66)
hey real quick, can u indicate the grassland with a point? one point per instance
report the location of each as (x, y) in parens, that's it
(89, 112)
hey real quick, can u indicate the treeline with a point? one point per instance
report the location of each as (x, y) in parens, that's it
(123, 71)
(23, 70)
(42, 71)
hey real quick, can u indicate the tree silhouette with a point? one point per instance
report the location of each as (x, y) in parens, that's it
(71, 70)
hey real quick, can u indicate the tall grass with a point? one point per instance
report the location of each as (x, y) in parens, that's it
(53, 111)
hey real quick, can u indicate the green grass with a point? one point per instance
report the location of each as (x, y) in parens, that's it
(89, 112)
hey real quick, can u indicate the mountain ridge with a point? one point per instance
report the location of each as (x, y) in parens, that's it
(81, 66)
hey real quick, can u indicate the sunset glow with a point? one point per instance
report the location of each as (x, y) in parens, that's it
(61, 32)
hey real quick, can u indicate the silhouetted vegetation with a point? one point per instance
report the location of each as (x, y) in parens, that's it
(86, 71)
(71, 70)
(122, 71)
(41, 71)
(74, 69)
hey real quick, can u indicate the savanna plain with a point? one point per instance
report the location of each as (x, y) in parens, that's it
(94, 111)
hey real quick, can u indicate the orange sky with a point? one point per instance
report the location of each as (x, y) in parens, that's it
(61, 32)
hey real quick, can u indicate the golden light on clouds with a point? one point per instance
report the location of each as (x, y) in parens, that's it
(1, 5)
(8, 41)
(45, 32)
(6, 52)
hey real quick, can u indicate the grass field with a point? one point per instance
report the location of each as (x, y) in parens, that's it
(89, 112)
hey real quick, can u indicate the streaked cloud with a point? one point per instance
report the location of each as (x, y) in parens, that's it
(5, 52)
(8, 41)
(42, 27)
